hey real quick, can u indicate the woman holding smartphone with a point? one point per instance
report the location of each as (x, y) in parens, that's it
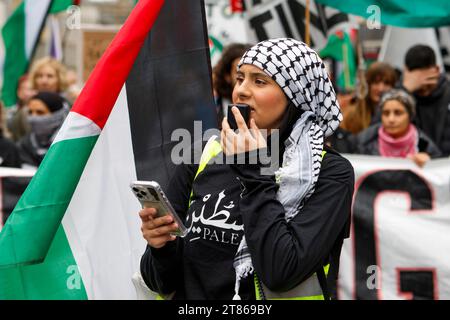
(254, 235)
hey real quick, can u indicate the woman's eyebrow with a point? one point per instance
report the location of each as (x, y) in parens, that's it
(259, 74)
(254, 74)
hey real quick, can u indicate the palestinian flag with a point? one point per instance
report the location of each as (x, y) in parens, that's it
(340, 48)
(401, 13)
(75, 233)
(21, 35)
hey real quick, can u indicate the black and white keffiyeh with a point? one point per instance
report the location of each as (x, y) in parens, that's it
(300, 72)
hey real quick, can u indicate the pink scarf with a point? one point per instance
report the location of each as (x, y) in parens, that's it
(400, 147)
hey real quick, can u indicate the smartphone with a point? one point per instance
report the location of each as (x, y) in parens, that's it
(151, 195)
(244, 109)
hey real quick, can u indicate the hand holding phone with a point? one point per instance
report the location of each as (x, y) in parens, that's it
(151, 195)
(237, 142)
(244, 109)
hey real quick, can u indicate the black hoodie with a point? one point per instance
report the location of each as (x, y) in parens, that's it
(433, 115)
(200, 266)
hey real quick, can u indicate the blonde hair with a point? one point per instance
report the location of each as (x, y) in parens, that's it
(56, 65)
(359, 115)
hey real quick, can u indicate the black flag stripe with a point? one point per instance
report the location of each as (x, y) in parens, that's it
(170, 87)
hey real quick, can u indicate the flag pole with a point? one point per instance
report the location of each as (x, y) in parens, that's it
(307, 20)
(361, 86)
(346, 66)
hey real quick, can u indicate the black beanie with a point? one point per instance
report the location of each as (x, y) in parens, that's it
(53, 101)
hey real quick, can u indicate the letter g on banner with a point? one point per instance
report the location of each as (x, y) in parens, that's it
(369, 187)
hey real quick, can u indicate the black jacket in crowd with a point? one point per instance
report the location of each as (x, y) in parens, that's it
(342, 141)
(9, 153)
(433, 115)
(367, 142)
(200, 266)
(28, 151)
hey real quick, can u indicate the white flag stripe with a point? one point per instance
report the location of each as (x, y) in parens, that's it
(77, 126)
(56, 41)
(104, 233)
(35, 12)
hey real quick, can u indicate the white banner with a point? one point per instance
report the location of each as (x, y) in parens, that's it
(399, 246)
(286, 18)
(397, 41)
(224, 27)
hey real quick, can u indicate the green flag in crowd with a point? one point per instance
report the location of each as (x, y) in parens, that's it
(401, 13)
(20, 35)
(340, 48)
(60, 5)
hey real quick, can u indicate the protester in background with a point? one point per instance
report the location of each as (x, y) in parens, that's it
(47, 112)
(9, 153)
(362, 113)
(294, 221)
(224, 75)
(342, 141)
(396, 136)
(431, 89)
(17, 119)
(48, 74)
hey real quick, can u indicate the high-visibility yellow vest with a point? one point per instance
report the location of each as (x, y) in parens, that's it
(309, 289)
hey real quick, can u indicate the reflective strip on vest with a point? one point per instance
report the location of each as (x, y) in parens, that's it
(211, 150)
(162, 297)
(309, 289)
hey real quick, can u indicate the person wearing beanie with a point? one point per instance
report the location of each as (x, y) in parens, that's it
(46, 114)
(396, 135)
(256, 233)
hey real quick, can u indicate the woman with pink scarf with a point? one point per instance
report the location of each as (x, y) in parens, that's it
(397, 136)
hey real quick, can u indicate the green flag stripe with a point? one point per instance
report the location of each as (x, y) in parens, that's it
(340, 48)
(60, 5)
(15, 35)
(58, 277)
(77, 126)
(40, 210)
(16, 61)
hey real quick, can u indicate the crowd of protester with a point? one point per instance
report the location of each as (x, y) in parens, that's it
(403, 113)
(44, 97)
